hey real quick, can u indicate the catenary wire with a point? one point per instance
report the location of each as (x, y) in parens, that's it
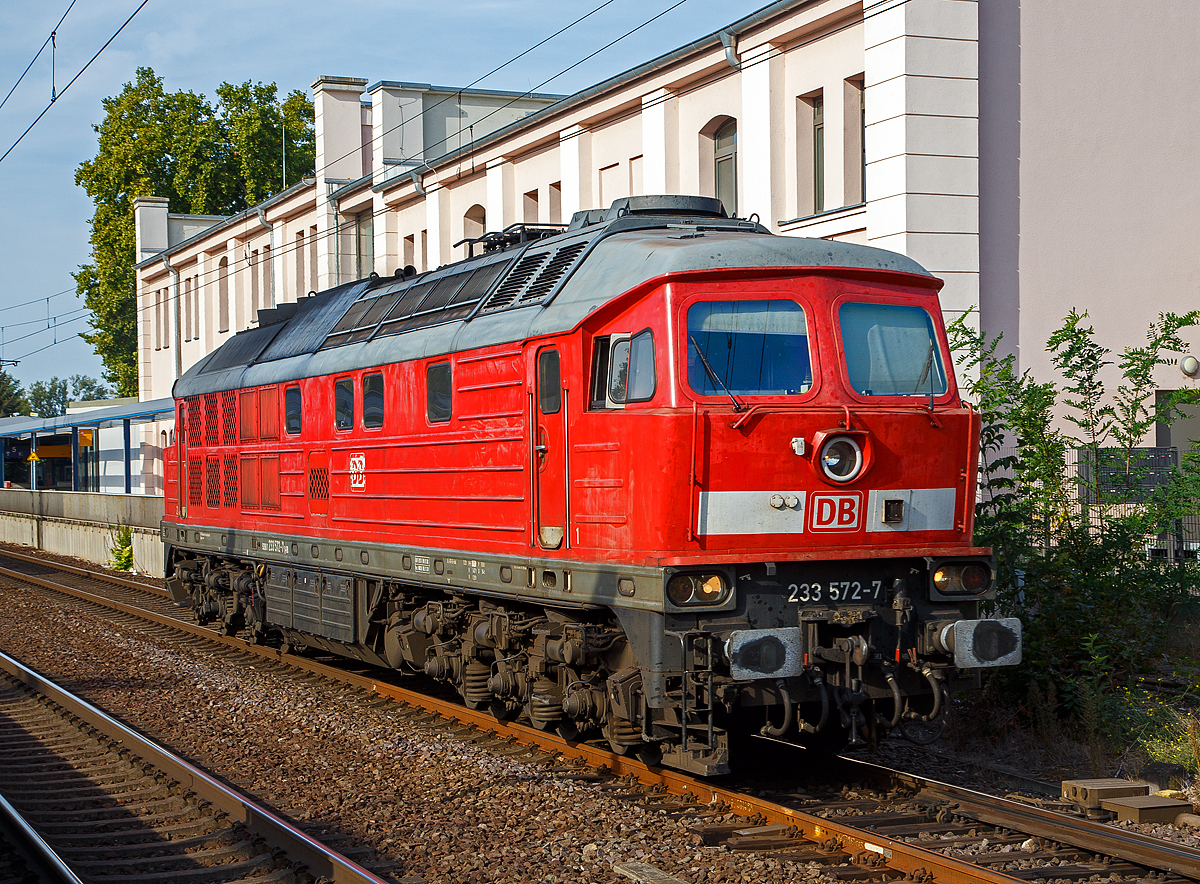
(64, 89)
(37, 55)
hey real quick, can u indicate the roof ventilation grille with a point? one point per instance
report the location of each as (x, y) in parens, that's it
(563, 260)
(516, 280)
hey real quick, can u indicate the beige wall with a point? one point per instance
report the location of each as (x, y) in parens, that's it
(1090, 124)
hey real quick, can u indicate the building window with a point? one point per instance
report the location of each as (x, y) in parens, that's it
(725, 166)
(312, 259)
(612, 185)
(818, 153)
(364, 244)
(555, 199)
(300, 262)
(223, 295)
(267, 277)
(372, 404)
(854, 164)
(343, 404)
(529, 207)
(410, 250)
(196, 306)
(254, 283)
(474, 224)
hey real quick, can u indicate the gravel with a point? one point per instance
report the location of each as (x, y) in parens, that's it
(439, 809)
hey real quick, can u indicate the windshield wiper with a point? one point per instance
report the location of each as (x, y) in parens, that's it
(737, 406)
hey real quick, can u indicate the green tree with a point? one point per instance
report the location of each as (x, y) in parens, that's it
(48, 398)
(84, 388)
(12, 398)
(205, 159)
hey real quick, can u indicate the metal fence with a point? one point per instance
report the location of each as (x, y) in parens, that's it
(1132, 476)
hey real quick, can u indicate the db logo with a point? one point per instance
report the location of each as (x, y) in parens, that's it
(358, 471)
(835, 512)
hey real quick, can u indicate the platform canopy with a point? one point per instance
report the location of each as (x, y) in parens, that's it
(99, 417)
(125, 414)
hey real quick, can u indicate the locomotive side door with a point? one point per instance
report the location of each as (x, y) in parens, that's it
(549, 450)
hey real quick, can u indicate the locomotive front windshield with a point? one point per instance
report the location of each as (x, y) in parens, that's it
(748, 348)
(891, 350)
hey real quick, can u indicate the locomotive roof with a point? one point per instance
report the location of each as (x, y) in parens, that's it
(543, 286)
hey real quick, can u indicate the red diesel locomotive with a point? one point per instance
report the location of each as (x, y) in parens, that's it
(652, 478)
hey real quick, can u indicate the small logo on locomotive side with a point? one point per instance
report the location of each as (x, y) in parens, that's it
(835, 512)
(358, 471)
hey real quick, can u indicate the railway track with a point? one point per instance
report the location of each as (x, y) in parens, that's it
(895, 826)
(114, 806)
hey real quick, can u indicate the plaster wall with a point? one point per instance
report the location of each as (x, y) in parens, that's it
(1108, 214)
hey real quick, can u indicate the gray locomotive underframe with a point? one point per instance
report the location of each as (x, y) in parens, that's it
(327, 575)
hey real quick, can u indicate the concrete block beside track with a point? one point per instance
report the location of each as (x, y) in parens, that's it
(82, 524)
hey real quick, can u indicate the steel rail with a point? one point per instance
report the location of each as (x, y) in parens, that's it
(903, 857)
(1089, 835)
(102, 576)
(320, 860)
(37, 852)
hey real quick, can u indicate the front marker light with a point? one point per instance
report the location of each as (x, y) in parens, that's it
(962, 578)
(694, 590)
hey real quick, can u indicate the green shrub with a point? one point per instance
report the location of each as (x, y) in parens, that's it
(1066, 504)
(122, 549)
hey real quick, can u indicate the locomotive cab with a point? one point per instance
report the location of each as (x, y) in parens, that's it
(652, 478)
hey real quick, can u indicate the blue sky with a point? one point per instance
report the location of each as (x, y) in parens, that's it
(44, 215)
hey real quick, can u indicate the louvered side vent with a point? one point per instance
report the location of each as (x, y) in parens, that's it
(230, 483)
(212, 482)
(195, 481)
(229, 417)
(195, 421)
(212, 423)
(318, 483)
(512, 285)
(562, 261)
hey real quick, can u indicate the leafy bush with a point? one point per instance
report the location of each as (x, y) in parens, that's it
(1069, 504)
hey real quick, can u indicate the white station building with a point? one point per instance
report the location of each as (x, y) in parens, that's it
(1038, 156)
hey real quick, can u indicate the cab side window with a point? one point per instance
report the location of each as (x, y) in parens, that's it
(438, 400)
(623, 370)
(343, 404)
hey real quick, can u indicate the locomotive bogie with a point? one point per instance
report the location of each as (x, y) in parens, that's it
(651, 480)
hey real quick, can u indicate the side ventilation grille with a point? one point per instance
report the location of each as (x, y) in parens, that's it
(318, 483)
(229, 417)
(212, 482)
(195, 481)
(231, 480)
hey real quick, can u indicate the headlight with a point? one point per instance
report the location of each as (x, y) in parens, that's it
(690, 590)
(962, 578)
(841, 458)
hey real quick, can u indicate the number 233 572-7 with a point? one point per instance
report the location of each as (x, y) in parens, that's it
(835, 591)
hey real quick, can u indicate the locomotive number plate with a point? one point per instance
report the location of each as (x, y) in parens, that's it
(834, 591)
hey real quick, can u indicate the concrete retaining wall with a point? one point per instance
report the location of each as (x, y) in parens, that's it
(82, 524)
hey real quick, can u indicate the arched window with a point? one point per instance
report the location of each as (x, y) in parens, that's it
(474, 222)
(725, 165)
(223, 295)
